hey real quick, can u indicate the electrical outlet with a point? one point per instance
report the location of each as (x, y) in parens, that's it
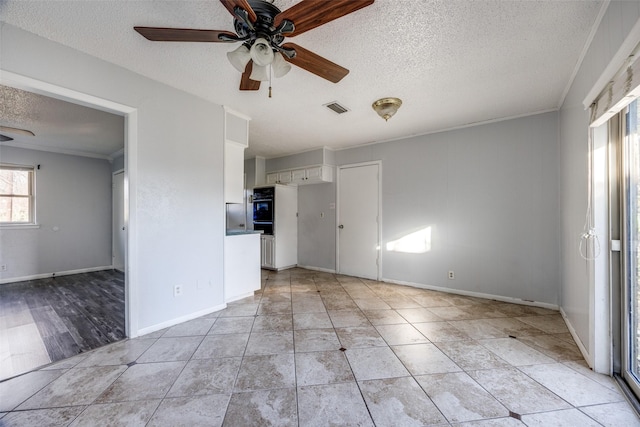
(3, 267)
(177, 290)
(451, 275)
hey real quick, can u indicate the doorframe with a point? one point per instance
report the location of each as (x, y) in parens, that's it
(130, 115)
(113, 226)
(377, 163)
(625, 306)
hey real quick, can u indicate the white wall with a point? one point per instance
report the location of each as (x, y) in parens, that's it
(73, 209)
(175, 170)
(574, 121)
(488, 194)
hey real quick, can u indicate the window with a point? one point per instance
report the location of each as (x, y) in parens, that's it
(631, 240)
(16, 195)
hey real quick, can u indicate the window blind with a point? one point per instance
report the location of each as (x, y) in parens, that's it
(620, 92)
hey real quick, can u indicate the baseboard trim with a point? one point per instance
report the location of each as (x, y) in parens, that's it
(576, 338)
(475, 294)
(323, 270)
(55, 274)
(177, 320)
(241, 296)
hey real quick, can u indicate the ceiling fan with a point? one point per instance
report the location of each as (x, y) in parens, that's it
(9, 129)
(262, 28)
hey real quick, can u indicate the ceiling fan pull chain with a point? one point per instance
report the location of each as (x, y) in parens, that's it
(270, 80)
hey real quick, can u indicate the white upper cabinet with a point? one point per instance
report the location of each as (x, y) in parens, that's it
(272, 178)
(236, 139)
(298, 175)
(284, 177)
(312, 175)
(308, 175)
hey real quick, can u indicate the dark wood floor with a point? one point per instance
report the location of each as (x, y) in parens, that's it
(72, 314)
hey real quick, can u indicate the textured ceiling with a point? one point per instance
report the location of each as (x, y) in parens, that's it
(453, 63)
(59, 125)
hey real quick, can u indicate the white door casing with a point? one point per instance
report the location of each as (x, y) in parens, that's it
(358, 234)
(119, 226)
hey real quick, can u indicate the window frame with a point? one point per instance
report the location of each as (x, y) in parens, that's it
(31, 196)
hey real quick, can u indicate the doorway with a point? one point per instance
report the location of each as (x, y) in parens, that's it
(358, 234)
(127, 258)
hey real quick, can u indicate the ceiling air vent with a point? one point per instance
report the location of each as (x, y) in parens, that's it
(336, 108)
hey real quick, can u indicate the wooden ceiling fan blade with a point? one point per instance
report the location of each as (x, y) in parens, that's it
(315, 63)
(245, 82)
(243, 4)
(17, 131)
(158, 34)
(309, 14)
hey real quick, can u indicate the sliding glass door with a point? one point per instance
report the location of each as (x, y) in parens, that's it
(631, 248)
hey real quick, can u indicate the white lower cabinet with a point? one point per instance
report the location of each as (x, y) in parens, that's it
(267, 251)
(241, 269)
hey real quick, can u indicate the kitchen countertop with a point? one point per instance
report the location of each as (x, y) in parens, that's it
(242, 232)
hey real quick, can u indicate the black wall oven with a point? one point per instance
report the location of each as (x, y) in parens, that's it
(263, 209)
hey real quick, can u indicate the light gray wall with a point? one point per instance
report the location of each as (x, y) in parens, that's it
(73, 209)
(118, 163)
(251, 167)
(260, 174)
(489, 194)
(314, 157)
(250, 172)
(574, 121)
(176, 171)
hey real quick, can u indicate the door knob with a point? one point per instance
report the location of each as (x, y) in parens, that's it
(341, 226)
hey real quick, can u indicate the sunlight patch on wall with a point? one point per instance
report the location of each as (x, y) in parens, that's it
(417, 242)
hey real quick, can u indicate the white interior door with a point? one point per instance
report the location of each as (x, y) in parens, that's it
(358, 220)
(119, 226)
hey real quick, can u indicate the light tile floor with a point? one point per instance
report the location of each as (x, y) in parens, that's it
(315, 349)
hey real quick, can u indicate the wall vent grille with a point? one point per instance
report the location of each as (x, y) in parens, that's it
(336, 108)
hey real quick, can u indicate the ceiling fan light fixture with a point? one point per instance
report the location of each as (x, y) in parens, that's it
(261, 52)
(280, 66)
(387, 107)
(239, 57)
(260, 73)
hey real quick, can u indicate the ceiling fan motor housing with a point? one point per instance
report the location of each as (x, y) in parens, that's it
(263, 27)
